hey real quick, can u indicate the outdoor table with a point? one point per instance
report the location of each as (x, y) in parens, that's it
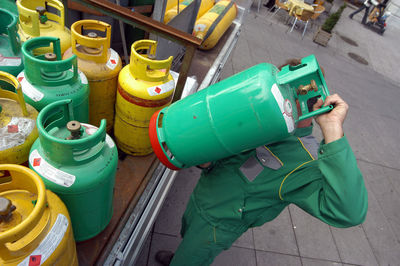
(298, 6)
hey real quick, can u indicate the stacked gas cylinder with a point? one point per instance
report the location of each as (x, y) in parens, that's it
(212, 21)
(59, 90)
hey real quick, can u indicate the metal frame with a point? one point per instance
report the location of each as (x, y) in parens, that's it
(152, 26)
(129, 245)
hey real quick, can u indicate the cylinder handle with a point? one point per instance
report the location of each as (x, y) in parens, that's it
(24, 179)
(143, 67)
(11, 30)
(95, 47)
(67, 151)
(41, 71)
(17, 96)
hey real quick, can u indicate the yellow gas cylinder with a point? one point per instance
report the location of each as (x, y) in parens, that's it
(144, 87)
(100, 64)
(35, 227)
(204, 7)
(213, 24)
(17, 123)
(171, 3)
(36, 20)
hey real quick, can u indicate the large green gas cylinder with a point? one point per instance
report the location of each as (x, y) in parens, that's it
(78, 162)
(250, 109)
(47, 78)
(10, 46)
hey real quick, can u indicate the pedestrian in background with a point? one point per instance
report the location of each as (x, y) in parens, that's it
(366, 5)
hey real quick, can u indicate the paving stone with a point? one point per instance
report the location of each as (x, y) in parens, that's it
(246, 240)
(240, 56)
(161, 242)
(316, 262)
(259, 54)
(369, 141)
(353, 246)
(169, 218)
(269, 258)
(314, 237)
(236, 256)
(277, 235)
(381, 225)
(385, 191)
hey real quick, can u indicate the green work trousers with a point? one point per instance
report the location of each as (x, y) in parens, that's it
(201, 242)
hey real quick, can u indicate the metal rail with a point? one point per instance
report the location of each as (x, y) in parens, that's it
(152, 26)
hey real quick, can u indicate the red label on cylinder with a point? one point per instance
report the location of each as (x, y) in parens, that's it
(34, 260)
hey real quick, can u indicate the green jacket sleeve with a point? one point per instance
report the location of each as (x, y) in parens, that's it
(332, 188)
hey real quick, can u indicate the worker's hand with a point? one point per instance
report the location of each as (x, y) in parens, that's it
(204, 165)
(331, 123)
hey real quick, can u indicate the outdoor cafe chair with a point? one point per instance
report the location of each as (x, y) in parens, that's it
(304, 17)
(318, 10)
(279, 5)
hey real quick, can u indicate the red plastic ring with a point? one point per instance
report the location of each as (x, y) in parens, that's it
(155, 143)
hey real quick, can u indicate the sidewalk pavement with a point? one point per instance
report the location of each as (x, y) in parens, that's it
(372, 127)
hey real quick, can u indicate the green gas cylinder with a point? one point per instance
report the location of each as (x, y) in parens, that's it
(9, 5)
(47, 78)
(10, 46)
(250, 109)
(78, 162)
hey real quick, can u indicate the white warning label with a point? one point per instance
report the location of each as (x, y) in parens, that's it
(82, 75)
(28, 89)
(84, 79)
(15, 132)
(113, 60)
(90, 131)
(162, 88)
(49, 243)
(285, 106)
(49, 172)
(10, 61)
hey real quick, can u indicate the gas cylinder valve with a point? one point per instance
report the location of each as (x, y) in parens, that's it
(6, 209)
(92, 50)
(75, 128)
(303, 90)
(50, 56)
(42, 17)
(92, 34)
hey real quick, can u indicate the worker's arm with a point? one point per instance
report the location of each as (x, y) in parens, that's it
(335, 192)
(332, 187)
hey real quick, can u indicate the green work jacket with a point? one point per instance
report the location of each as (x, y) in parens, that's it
(253, 187)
